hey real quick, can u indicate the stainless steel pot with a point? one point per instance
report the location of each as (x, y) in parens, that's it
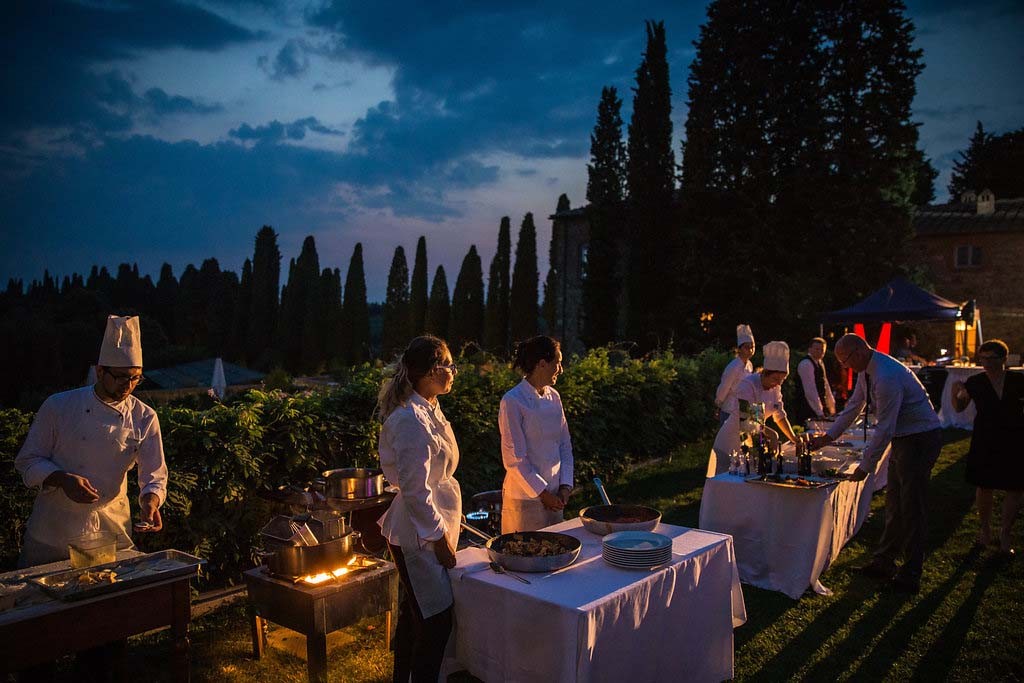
(303, 560)
(352, 483)
(607, 519)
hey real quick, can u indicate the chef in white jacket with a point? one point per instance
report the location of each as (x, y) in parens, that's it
(738, 368)
(536, 448)
(419, 454)
(79, 450)
(764, 387)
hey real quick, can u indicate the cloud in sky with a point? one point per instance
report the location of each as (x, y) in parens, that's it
(174, 129)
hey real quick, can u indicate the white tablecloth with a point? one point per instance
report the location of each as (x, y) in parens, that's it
(594, 622)
(948, 416)
(785, 538)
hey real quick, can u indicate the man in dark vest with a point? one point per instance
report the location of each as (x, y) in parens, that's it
(814, 397)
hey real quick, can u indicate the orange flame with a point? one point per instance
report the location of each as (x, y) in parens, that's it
(316, 579)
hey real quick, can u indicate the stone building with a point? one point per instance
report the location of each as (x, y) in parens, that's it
(973, 248)
(570, 238)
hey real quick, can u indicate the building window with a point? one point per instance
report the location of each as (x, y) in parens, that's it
(967, 256)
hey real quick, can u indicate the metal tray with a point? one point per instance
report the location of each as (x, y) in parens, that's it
(135, 571)
(816, 482)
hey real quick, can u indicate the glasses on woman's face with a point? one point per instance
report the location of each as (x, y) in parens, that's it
(450, 367)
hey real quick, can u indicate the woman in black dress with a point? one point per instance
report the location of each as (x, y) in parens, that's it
(995, 458)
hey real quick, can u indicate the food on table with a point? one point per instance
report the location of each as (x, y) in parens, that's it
(524, 546)
(91, 578)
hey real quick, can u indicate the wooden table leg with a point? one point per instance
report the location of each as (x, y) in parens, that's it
(182, 600)
(258, 627)
(316, 657)
(387, 630)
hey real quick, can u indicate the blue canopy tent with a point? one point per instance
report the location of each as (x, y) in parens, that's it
(898, 300)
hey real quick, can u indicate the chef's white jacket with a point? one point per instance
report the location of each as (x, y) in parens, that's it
(728, 438)
(735, 371)
(536, 448)
(419, 454)
(76, 432)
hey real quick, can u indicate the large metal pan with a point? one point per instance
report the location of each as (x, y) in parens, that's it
(607, 519)
(523, 563)
(352, 483)
(303, 560)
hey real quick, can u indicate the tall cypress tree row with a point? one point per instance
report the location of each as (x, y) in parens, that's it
(355, 312)
(299, 328)
(330, 315)
(606, 185)
(467, 312)
(498, 287)
(653, 272)
(263, 308)
(549, 308)
(418, 289)
(164, 298)
(439, 307)
(240, 318)
(523, 296)
(395, 332)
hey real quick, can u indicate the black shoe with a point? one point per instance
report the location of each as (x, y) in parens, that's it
(877, 570)
(903, 584)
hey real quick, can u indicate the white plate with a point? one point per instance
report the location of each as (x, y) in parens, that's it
(636, 556)
(636, 541)
(620, 565)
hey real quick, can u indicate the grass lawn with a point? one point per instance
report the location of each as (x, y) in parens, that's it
(967, 623)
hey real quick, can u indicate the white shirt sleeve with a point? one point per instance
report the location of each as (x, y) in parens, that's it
(830, 399)
(888, 399)
(731, 376)
(410, 443)
(151, 463)
(853, 407)
(513, 447)
(565, 472)
(33, 461)
(805, 370)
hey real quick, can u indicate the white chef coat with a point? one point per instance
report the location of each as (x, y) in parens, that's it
(735, 371)
(76, 432)
(536, 448)
(419, 454)
(728, 438)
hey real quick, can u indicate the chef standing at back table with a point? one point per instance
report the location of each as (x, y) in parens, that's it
(79, 450)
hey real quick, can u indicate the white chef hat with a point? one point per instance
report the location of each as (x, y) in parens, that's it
(744, 335)
(122, 343)
(776, 356)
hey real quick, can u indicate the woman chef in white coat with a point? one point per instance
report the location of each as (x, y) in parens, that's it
(760, 387)
(535, 445)
(737, 369)
(418, 453)
(80, 447)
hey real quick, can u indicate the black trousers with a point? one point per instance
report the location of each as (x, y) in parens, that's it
(906, 501)
(419, 642)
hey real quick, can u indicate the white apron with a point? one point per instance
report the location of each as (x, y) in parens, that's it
(430, 584)
(726, 441)
(518, 514)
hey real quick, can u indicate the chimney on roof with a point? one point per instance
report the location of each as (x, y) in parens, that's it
(986, 205)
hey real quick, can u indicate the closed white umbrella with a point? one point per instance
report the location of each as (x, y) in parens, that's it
(218, 385)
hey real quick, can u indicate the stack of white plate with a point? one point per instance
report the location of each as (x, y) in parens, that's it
(636, 549)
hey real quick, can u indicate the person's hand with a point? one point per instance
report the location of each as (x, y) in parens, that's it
(771, 437)
(564, 492)
(858, 474)
(718, 413)
(78, 488)
(818, 441)
(960, 391)
(149, 514)
(444, 553)
(830, 411)
(551, 501)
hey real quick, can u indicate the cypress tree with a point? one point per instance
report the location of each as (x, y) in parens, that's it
(163, 299)
(418, 289)
(395, 331)
(467, 312)
(966, 174)
(240, 319)
(549, 309)
(523, 297)
(605, 193)
(299, 325)
(439, 307)
(330, 315)
(355, 312)
(650, 173)
(498, 286)
(187, 308)
(263, 309)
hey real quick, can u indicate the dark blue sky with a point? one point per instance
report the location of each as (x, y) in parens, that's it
(162, 130)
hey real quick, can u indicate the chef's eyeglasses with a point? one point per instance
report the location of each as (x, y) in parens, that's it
(124, 379)
(450, 367)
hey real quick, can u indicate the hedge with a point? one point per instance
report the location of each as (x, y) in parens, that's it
(620, 410)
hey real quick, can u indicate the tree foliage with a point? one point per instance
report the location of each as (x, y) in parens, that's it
(498, 292)
(355, 312)
(467, 312)
(395, 332)
(439, 308)
(418, 289)
(523, 311)
(992, 162)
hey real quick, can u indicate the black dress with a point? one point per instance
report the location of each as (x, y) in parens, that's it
(996, 457)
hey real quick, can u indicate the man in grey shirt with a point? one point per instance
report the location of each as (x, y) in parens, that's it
(907, 420)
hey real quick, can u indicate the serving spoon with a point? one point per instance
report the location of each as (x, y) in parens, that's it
(498, 569)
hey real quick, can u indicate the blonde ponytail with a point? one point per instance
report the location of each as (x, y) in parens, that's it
(416, 362)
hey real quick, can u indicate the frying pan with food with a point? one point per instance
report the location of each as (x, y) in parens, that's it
(530, 551)
(607, 519)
